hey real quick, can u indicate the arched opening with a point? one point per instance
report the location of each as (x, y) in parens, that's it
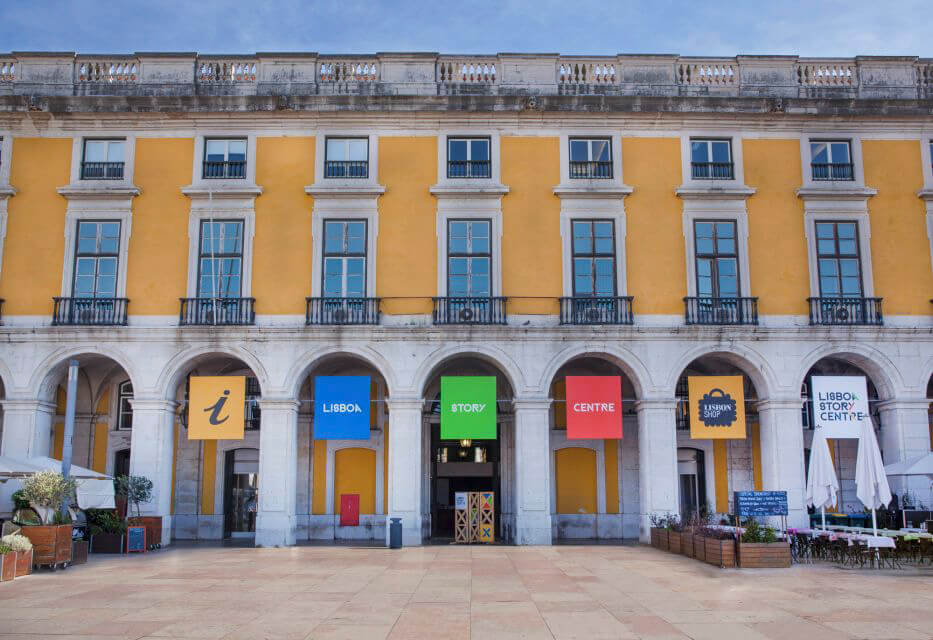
(842, 451)
(208, 494)
(709, 470)
(333, 469)
(594, 491)
(468, 464)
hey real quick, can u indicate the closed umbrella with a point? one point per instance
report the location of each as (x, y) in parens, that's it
(871, 483)
(822, 483)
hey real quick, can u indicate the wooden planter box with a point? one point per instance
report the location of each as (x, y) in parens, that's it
(51, 544)
(153, 526)
(7, 566)
(23, 563)
(699, 548)
(675, 541)
(107, 543)
(720, 553)
(79, 551)
(663, 539)
(687, 544)
(764, 555)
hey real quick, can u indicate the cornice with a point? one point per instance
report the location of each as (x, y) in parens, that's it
(319, 190)
(487, 190)
(222, 192)
(836, 193)
(714, 193)
(98, 191)
(602, 192)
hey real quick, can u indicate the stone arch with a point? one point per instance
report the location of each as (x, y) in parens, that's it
(751, 363)
(495, 357)
(876, 365)
(310, 360)
(46, 374)
(176, 368)
(633, 368)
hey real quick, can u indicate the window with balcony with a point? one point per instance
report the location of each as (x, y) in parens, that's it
(468, 158)
(590, 158)
(344, 259)
(102, 160)
(95, 271)
(125, 407)
(346, 158)
(220, 259)
(839, 273)
(224, 158)
(831, 160)
(594, 258)
(711, 159)
(469, 277)
(718, 291)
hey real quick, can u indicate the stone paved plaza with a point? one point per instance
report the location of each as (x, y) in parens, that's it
(440, 592)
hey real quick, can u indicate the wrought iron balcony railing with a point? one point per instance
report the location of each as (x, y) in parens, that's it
(89, 311)
(346, 169)
(712, 170)
(832, 171)
(702, 310)
(228, 169)
(845, 311)
(587, 169)
(217, 311)
(469, 169)
(469, 310)
(342, 311)
(596, 310)
(101, 170)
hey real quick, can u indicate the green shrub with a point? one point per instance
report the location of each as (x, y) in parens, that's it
(17, 542)
(5, 549)
(19, 500)
(754, 532)
(104, 521)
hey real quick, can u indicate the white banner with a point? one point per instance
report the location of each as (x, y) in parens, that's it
(840, 404)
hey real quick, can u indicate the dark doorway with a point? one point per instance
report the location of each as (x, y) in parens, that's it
(461, 465)
(241, 492)
(691, 470)
(121, 463)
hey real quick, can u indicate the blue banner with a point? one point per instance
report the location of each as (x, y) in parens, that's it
(341, 407)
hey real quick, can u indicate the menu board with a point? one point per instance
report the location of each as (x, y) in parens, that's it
(135, 539)
(760, 503)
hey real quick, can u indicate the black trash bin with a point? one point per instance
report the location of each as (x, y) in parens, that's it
(395, 533)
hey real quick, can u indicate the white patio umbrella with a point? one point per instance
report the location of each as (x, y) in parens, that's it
(871, 483)
(822, 483)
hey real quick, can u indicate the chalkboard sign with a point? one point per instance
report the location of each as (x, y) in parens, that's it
(760, 503)
(135, 539)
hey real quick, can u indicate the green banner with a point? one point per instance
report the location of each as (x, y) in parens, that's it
(468, 407)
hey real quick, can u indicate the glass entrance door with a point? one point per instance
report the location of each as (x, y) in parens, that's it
(691, 472)
(241, 493)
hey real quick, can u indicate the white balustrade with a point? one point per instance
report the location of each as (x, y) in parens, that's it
(349, 71)
(924, 75)
(827, 74)
(109, 71)
(467, 72)
(226, 71)
(582, 72)
(7, 70)
(706, 73)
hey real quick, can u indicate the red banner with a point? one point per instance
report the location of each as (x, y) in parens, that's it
(594, 407)
(349, 509)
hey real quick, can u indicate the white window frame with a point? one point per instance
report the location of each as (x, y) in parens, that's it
(469, 158)
(80, 210)
(843, 211)
(733, 210)
(201, 211)
(197, 170)
(118, 423)
(96, 257)
(855, 151)
(495, 173)
(591, 184)
(212, 256)
(77, 158)
(6, 158)
(735, 148)
(345, 258)
(341, 210)
(470, 209)
(320, 157)
(592, 209)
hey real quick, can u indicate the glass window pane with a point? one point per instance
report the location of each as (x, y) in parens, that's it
(355, 266)
(583, 267)
(601, 151)
(726, 246)
(603, 245)
(236, 151)
(95, 151)
(829, 286)
(216, 150)
(354, 286)
(605, 286)
(840, 152)
(846, 230)
(457, 150)
(704, 267)
(704, 286)
(579, 151)
(333, 237)
(106, 287)
(457, 243)
(582, 285)
(725, 230)
(704, 245)
(826, 247)
(458, 285)
(85, 266)
(333, 267)
(721, 151)
(457, 266)
(847, 248)
(479, 150)
(358, 149)
(849, 268)
(336, 149)
(115, 151)
(356, 237)
(582, 238)
(84, 287)
(851, 287)
(479, 265)
(825, 230)
(604, 267)
(479, 285)
(728, 287)
(699, 151)
(107, 266)
(828, 268)
(726, 266)
(819, 152)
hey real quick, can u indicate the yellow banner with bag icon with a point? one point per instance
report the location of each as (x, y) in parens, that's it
(717, 407)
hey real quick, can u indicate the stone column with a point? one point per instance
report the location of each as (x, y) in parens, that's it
(27, 427)
(532, 471)
(277, 521)
(905, 434)
(405, 468)
(152, 453)
(657, 460)
(782, 465)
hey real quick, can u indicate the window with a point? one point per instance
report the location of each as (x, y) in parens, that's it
(594, 259)
(96, 256)
(346, 158)
(103, 160)
(717, 259)
(224, 158)
(590, 158)
(711, 160)
(468, 158)
(220, 259)
(469, 258)
(344, 259)
(125, 410)
(251, 409)
(831, 160)
(838, 260)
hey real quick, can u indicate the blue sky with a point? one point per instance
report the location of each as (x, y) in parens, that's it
(687, 27)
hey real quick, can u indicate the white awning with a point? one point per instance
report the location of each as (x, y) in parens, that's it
(95, 490)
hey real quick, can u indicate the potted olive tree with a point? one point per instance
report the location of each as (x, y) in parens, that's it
(47, 492)
(138, 489)
(22, 547)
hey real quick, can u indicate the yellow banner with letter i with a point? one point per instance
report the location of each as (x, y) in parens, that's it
(216, 407)
(717, 407)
